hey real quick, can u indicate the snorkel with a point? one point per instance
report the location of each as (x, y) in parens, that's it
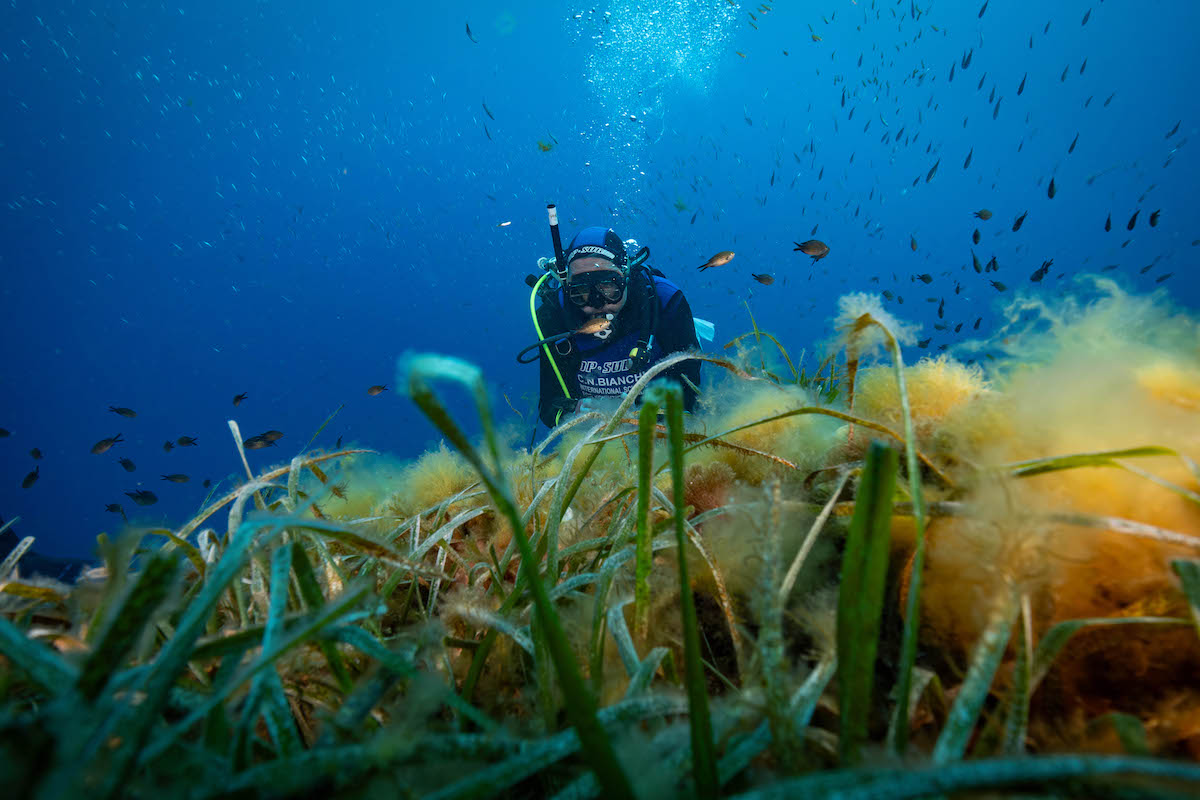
(560, 258)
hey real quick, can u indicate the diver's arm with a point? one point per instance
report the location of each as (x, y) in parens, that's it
(551, 399)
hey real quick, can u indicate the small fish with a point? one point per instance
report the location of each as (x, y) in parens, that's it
(104, 444)
(912, 243)
(1021, 88)
(1086, 15)
(923, 343)
(377, 390)
(594, 325)
(1154, 218)
(1074, 142)
(932, 171)
(942, 308)
(958, 328)
(812, 247)
(975, 236)
(30, 479)
(487, 133)
(128, 465)
(176, 477)
(504, 224)
(1163, 277)
(115, 508)
(998, 286)
(977, 321)
(257, 443)
(1173, 131)
(272, 436)
(1050, 192)
(925, 278)
(142, 497)
(1132, 220)
(4, 432)
(765, 279)
(36, 454)
(1019, 221)
(470, 35)
(206, 483)
(1108, 223)
(721, 258)
(975, 263)
(488, 111)
(983, 214)
(888, 295)
(238, 398)
(970, 153)
(129, 413)
(185, 441)
(992, 266)
(1041, 271)
(544, 147)
(983, 9)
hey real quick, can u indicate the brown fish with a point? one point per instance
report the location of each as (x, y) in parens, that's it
(176, 477)
(814, 248)
(720, 259)
(912, 243)
(142, 497)
(257, 443)
(30, 479)
(124, 412)
(594, 325)
(377, 390)
(983, 214)
(975, 236)
(104, 444)
(272, 436)
(238, 398)
(185, 441)
(764, 279)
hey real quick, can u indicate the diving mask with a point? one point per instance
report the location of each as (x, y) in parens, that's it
(596, 289)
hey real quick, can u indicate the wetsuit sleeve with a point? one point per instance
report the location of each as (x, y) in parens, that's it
(677, 332)
(550, 394)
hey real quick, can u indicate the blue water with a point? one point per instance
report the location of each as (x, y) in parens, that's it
(204, 199)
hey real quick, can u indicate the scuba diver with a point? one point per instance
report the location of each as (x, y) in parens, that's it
(605, 318)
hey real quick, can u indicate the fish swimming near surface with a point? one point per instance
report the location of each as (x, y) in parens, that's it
(176, 477)
(104, 445)
(983, 214)
(814, 248)
(720, 259)
(237, 399)
(377, 390)
(765, 279)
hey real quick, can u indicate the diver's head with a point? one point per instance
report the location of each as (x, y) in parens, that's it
(598, 272)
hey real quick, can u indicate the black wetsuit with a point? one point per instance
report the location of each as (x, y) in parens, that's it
(593, 367)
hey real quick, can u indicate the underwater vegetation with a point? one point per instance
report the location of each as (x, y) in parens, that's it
(871, 580)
